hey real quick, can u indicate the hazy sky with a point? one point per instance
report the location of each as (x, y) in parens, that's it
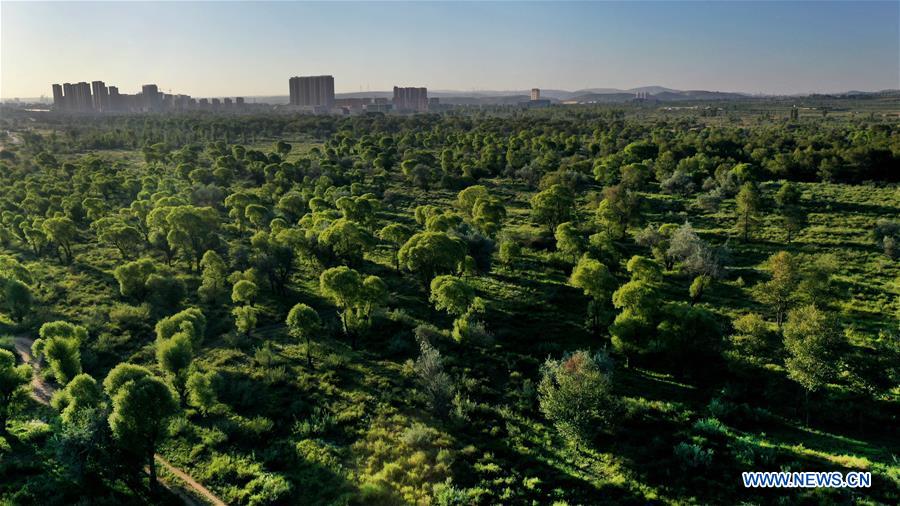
(251, 48)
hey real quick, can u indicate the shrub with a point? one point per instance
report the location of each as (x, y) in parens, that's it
(693, 455)
(576, 395)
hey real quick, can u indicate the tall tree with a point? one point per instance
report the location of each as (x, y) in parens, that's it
(451, 294)
(812, 340)
(213, 279)
(302, 321)
(60, 343)
(791, 213)
(62, 232)
(553, 206)
(431, 253)
(617, 210)
(747, 208)
(142, 407)
(597, 283)
(779, 293)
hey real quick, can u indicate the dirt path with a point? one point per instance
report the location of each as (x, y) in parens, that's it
(40, 390)
(200, 489)
(43, 392)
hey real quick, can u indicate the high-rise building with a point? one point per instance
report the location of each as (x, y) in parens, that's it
(115, 100)
(535, 93)
(68, 96)
(152, 99)
(312, 91)
(83, 101)
(411, 99)
(100, 96)
(58, 98)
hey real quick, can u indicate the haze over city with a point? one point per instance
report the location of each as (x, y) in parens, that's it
(249, 49)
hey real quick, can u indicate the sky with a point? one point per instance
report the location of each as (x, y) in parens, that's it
(252, 48)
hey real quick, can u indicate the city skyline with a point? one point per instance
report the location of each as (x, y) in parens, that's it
(98, 97)
(228, 49)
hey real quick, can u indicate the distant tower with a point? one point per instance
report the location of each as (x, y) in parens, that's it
(100, 96)
(535, 93)
(312, 91)
(410, 99)
(58, 97)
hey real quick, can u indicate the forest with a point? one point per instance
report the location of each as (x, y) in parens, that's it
(575, 305)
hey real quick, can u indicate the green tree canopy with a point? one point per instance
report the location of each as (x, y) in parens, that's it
(431, 253)
(302, 322)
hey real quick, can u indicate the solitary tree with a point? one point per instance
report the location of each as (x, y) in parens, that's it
(83, 392)
(346, 240)
(617, 210)
(787, 200)
(357, 297)
(59, 342)
(302, 321)
(212, 281)
(465, 199)
(174, 356)
(597, 283)
(779, 293)
(132, 277)
(193, 230)
(343, 286)
(141, 410)
(748, 208)
(62, 232)
(395, 234)
(17, 298)
(113, 230)
(553, 206)
(569, 241)
(510, 250)
(201, 390)
(488, 214)
(190, 321)
(698, 286)
(244, 292)
(644, 269)
(575, 394)
(282, 148)
(633, 327)
(752, 336)
(433, 380)
(812, 340)
(431, 253)
(245, 318)
(451, 294)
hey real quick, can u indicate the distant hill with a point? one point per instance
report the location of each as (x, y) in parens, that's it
(588, 95)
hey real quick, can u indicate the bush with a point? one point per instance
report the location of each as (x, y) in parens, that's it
(693, 455)
(576, 395)
(31, 431)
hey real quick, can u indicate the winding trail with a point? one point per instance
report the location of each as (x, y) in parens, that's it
(43, 392)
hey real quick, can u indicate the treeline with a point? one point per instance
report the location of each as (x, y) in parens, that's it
(582, 144)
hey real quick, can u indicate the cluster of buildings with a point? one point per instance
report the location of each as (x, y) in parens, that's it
(98, 97)
(316, 94)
